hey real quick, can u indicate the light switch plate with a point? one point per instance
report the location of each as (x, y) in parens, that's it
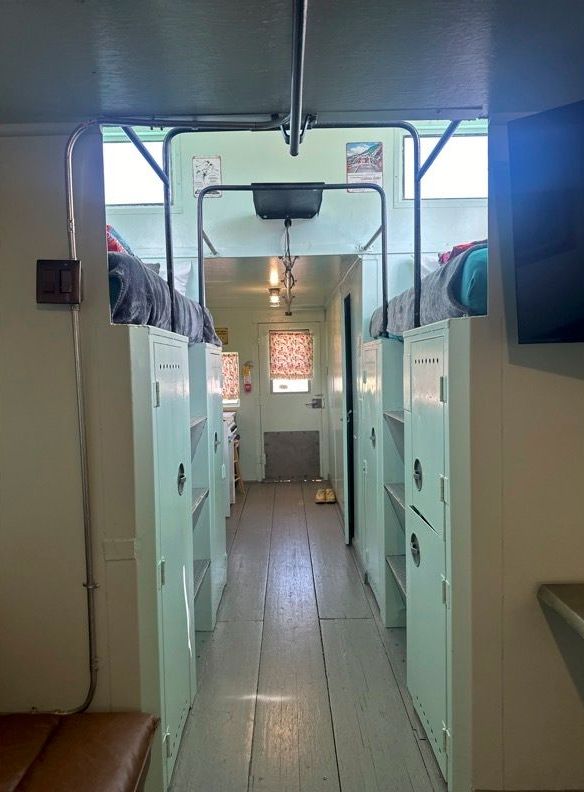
(58, 281)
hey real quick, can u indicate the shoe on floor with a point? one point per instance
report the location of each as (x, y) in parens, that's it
(330, 496)
(320, 496)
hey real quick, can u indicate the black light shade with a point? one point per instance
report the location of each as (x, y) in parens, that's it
(296, 201)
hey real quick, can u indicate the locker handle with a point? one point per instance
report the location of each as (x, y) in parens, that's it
(415, 549)
(418, 475)
(181, 479)
(372, 437)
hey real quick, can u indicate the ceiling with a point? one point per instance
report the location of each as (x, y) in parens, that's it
(365, 59)
(244, 282)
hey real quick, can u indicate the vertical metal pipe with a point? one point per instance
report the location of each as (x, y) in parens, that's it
(90, 584)
(166, 164)
(384, 300)
(297, 78)
(200, 252)
(417, 234)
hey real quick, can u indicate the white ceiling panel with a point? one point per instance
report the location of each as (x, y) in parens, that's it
(244, 282)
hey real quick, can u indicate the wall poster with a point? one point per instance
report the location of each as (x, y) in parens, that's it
(364, 164)
(206, 171)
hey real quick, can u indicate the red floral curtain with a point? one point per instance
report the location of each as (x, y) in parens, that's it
(230, 366)
(291, 354)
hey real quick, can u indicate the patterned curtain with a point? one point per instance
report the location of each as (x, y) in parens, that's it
(291, 353)
(230, 366)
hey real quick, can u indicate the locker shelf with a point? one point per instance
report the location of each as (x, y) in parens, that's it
(197, 426)
(200, 567)
(397, 567)
(397, 493)
(397, 416)
(199, 496)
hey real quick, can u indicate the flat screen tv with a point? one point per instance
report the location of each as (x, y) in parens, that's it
(546, 159)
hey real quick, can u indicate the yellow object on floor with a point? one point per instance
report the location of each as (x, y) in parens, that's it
(320, 496)
(330, 496)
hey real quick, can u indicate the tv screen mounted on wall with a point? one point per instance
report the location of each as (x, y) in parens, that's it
(546, 159)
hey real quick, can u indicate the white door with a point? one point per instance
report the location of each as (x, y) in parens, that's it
(291, 405)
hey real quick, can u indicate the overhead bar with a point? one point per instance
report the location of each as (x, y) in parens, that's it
(292, 186)
(297, 78)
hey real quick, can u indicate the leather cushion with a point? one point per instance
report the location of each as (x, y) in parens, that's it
(93, 752)
(22, 738)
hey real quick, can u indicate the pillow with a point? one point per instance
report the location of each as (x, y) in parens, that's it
(474, 282)
(116, 242)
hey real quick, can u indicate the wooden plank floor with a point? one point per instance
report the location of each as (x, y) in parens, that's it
(301, 688)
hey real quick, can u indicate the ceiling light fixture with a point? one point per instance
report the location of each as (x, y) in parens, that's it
(274, 293)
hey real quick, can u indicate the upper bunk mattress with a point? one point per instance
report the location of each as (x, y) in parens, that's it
(138, 295)
(458, 288)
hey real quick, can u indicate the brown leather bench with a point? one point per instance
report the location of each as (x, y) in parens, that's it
(90, 752)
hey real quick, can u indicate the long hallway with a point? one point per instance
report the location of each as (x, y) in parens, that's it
(301, 688)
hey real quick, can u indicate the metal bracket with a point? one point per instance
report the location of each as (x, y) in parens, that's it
(446, 737)
(166, 741)
(443, 389)
(445, 592)
(308, 123)
(444, 489)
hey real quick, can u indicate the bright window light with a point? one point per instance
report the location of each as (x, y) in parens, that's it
(290, 386)
(460, 171)
(129, 179)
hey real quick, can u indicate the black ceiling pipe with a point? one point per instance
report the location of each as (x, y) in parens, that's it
(297, 79)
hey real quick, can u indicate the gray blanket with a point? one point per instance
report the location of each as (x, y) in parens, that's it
(138, 295)
(438, 300)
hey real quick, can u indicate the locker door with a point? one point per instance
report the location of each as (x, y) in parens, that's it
(426, 630)
(371, 444)
(427, 431)
(171, 420)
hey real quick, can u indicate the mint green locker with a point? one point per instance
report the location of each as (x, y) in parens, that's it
(372, 486)
(172, 490)
(218, 474)
(426, 426)
(426, 631)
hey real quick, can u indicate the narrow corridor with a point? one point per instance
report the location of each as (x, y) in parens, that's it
(301, 687)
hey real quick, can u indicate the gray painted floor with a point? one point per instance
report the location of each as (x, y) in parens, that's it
(301, 688)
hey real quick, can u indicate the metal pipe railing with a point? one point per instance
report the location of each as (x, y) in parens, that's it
(291, 186)
(276, 122)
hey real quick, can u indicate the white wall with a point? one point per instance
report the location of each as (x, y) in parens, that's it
(540, 456)
(43, 647)
(243, 338)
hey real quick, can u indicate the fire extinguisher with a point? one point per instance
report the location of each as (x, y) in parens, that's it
(246, 372)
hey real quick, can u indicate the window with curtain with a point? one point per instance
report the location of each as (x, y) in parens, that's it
(230, 367)
(291, 360)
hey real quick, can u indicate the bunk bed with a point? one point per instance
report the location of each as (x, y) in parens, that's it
(456, 288)
(138, 295)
